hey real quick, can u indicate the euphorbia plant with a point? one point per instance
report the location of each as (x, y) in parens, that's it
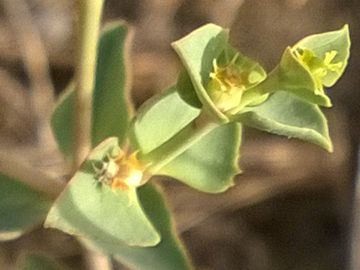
(191, 132)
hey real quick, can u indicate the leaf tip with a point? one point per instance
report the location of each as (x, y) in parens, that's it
(329, 146)
(346, 30)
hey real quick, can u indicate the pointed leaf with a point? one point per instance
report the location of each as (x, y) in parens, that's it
(197, 52)
(37, 262)
(211, 163)
(169, 253)
(285, 114)
(92, 210)
(21, 208)
(159, 119)
(110, 101)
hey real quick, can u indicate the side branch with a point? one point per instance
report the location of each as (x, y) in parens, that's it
(89, 24)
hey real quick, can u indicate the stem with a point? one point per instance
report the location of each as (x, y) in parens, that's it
(269, 85)
(89, 24)
(182, 141)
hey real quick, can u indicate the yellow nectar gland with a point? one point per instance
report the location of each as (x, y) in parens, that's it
(121, 172)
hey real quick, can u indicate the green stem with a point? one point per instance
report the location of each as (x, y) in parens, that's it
(177, 145)
(89, 24)
(269, 85)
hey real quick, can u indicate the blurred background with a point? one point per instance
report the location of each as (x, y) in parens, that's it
(292, 206)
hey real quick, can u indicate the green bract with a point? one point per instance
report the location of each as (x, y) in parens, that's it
(313, 63)
(110, 216)
(287, 115)
(326, 54)
(219, 74)
(228, 86)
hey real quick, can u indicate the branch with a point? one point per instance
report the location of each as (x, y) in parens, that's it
(89, 24)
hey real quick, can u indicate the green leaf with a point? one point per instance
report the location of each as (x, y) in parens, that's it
(92, 210)
(169, 253)
(110, 101)
(159, 119)
(186, 90)
(37, 262)
(285, 114)
(21, 208)
(62, 121)
(197, 52)
(323, 43)
(211, 163)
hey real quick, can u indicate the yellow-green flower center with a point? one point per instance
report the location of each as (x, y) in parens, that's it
(318, 67)
(228, 83)
(228, 77)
